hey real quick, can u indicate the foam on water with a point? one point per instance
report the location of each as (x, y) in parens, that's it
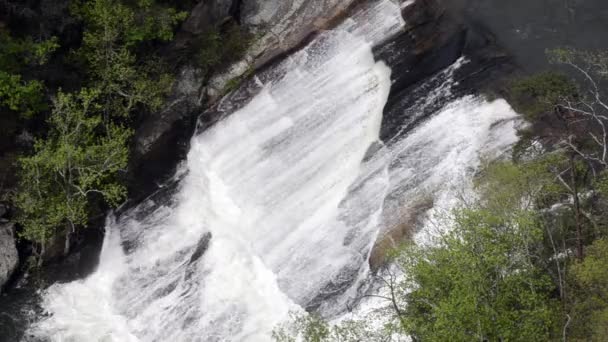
(89, 302)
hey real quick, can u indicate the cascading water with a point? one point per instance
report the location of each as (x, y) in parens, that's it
(262, 219)
(278, 205)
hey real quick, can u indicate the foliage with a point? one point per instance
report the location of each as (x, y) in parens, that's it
(601, 184)
(591, 281)
(481, 283)
(125, 24)
(16, 53)
(540, 93)
(586, 62)
(505, 186)
(72, 163)
(24, 97)
(17, 94)
(86, 146)
(113, 33)
(312, 328)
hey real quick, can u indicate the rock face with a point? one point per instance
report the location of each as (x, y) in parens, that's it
(162, 139)
(435, 37)
(282, 25)
(208, 13)
(3, 212)
(527, 28)
(9, 258)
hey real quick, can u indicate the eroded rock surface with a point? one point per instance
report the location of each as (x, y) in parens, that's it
(9, 258)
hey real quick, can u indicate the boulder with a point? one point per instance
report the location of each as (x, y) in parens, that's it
(9, 258)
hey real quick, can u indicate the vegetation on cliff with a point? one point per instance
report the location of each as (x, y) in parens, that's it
(75, 83)
(527, 260)
(85, 146)
(25, 97)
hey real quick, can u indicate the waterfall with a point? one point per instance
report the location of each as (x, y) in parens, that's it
(263, 219)
(279, 204)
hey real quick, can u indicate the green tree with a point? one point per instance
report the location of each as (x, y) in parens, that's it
(312, 328)
(590, 308)
(86, 147)
(72, 164)
(25, 97)
(114, 34)
(568, 119)
(541, 93)
(481, 283)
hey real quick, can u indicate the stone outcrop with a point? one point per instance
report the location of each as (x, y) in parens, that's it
(435, 37)
(281, 27)
(9, 258)
(208, 13)
(162, 139)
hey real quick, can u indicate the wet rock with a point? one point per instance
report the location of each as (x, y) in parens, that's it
(9, 258)
(3, 211)
(281, 26)
(206, 14)
(161, 141)
(324, 301)
(201, 248)
(435, 38)
(527, 28)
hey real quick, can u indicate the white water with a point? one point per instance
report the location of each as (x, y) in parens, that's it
(280, 187)
(436, 160)
(439, 158)
(293, 190)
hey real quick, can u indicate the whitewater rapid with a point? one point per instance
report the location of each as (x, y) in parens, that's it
(262, 221)
(278, 205)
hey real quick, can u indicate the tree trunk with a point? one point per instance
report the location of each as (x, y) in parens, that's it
(580, 253)
(68, 238)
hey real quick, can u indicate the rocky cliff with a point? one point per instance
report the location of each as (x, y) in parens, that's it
(278, 27)
(9, 258)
